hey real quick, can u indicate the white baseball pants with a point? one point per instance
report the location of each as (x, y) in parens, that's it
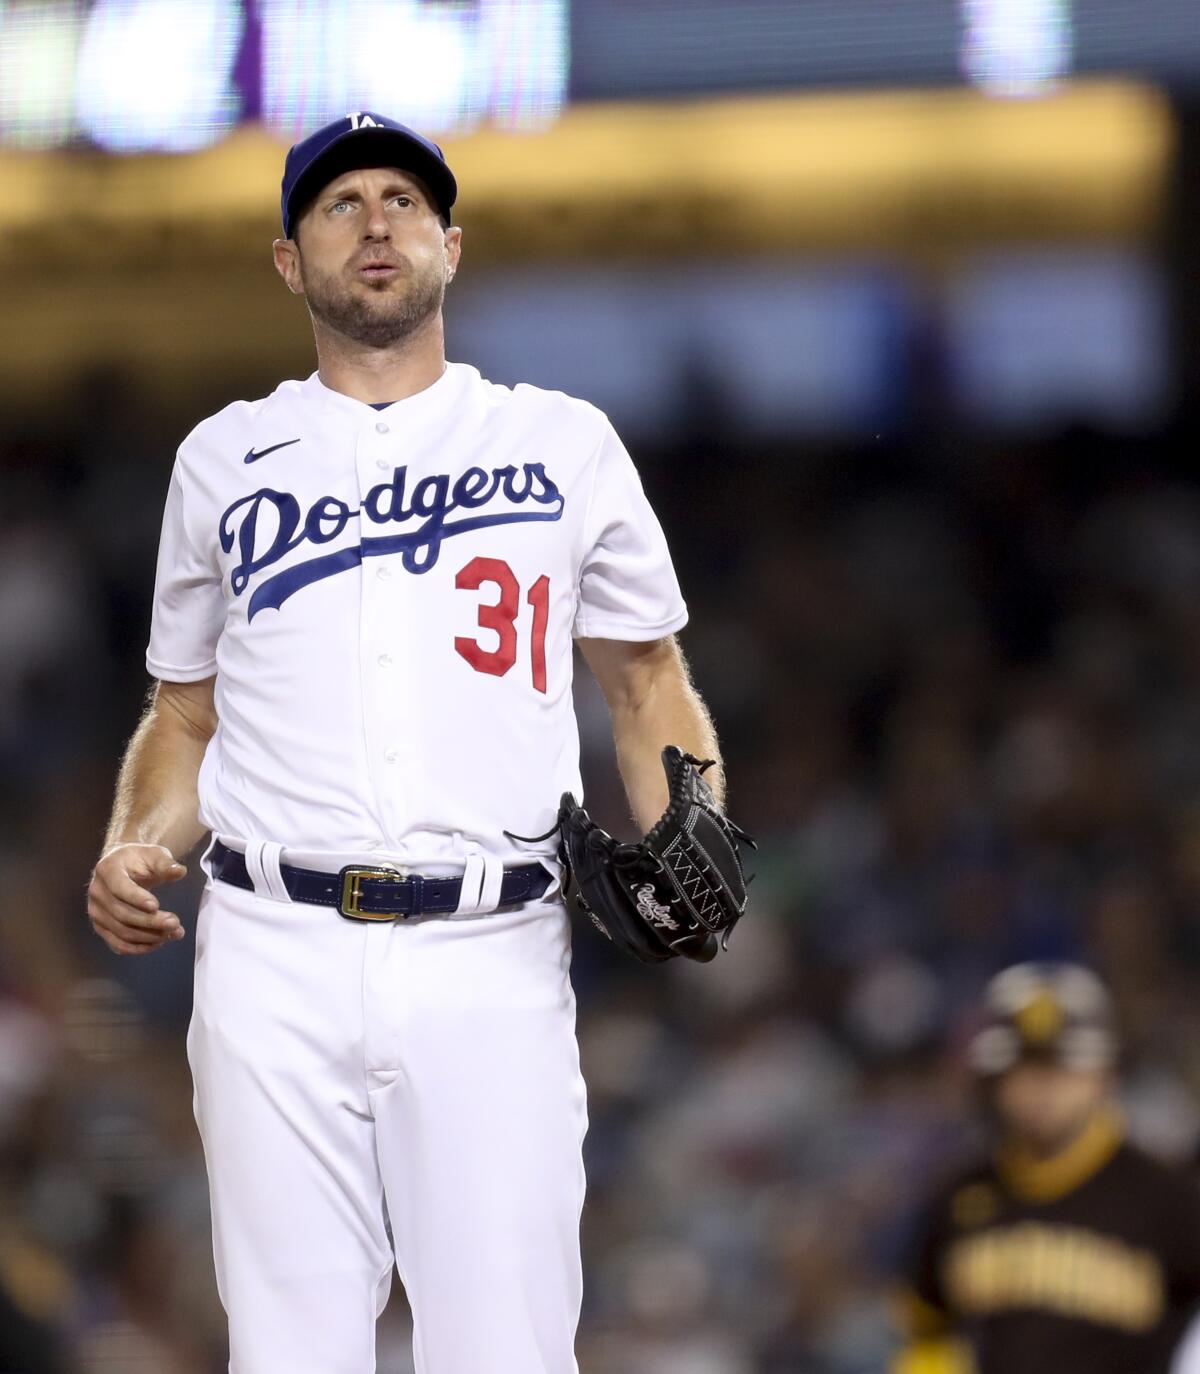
(415, 1077)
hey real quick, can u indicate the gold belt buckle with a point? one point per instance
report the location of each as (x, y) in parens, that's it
(352, 893)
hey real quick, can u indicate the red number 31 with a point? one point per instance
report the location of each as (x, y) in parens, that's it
(501, 617)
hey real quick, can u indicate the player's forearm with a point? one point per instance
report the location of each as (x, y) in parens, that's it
(156, 800)
(666, 710)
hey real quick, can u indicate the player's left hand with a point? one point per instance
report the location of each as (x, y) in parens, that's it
(680, 890)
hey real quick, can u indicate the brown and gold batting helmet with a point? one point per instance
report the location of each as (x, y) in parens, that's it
(1056, 1011)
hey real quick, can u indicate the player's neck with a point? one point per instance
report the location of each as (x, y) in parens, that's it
(1042, 1174)
(375, 375)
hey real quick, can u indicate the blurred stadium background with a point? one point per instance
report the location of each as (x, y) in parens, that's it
(898, 307)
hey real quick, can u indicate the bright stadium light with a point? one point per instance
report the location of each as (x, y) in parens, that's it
(157, 74)
(422, 53)
(443, 67)
(38, 41)
(1016, 47)
(528, 50)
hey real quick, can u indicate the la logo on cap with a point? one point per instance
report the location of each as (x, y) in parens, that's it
(361, 121)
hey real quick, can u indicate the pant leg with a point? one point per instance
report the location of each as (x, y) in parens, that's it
(275, 1045)
(480, 1115)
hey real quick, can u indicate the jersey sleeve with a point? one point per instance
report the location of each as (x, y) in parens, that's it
(627, 584)
(189, 605)
(920, 1307)
(924, 1326)
(1181, 1240)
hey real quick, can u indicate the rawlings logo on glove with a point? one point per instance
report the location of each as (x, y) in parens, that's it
(680, 890)
(654, 912)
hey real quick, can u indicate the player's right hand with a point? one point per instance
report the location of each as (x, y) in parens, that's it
(122, 909)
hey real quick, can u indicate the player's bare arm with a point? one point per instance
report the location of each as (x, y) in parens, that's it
(653, 702)
(154, 819)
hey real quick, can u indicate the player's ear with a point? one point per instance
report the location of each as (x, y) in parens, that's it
(453, 241)
(287, 264)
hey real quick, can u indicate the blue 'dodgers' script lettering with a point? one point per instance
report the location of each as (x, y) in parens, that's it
(273, 520)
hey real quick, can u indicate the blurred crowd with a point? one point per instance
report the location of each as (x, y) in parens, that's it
(957, 681)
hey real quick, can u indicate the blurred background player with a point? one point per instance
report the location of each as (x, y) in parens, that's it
(1067, 1247)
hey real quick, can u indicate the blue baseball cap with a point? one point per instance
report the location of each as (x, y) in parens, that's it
(359, 140)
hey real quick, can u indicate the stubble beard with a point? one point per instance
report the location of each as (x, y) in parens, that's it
(379, 318)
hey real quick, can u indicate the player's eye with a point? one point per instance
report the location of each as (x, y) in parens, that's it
(340, 205)
(404, 200)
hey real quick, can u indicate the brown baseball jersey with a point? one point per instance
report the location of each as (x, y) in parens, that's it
(1086, 1262)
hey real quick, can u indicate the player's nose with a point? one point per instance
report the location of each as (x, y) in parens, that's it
(375, 225)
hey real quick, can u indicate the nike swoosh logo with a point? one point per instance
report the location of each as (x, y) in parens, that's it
(262, 453)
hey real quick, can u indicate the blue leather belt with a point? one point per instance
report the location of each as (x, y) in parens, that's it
(370, 893)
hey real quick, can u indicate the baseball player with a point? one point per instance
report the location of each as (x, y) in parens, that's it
(368, 588)
(1068, 1248)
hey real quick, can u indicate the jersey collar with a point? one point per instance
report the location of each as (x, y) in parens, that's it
(1046, 1180)
(433, 400)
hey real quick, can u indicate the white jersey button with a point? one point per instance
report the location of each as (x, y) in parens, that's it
(383, 571)
(382, 463)
(385, 660)
(380, 427)
(391, 755)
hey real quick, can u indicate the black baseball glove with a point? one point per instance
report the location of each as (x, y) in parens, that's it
(679, 890)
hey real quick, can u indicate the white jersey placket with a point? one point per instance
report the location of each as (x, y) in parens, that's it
(389, 706)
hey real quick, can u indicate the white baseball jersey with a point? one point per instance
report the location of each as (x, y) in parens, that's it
(388, 599)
